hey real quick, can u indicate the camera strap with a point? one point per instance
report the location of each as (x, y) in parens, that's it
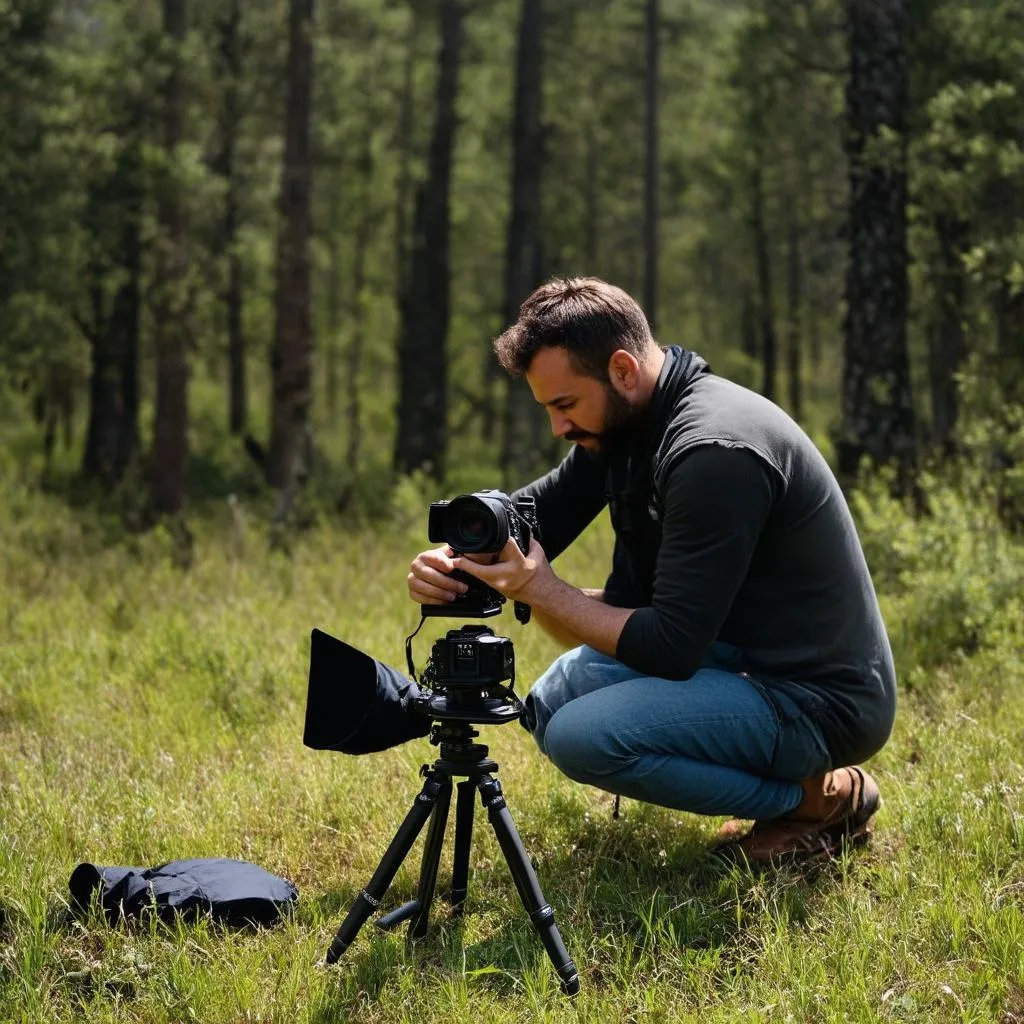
(408, 648)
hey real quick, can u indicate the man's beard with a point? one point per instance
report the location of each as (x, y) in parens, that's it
(619, 427)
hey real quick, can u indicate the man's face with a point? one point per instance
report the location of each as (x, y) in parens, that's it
(583, 409)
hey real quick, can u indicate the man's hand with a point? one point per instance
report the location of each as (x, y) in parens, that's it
(519, 577)
(429, 580)
(529, 578)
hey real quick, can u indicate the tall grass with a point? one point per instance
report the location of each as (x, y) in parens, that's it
(149, 713)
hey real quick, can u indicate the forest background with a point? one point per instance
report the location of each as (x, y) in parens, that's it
(251, 259)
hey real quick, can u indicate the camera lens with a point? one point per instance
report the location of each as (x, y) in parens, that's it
(475, 524)
(472, 528)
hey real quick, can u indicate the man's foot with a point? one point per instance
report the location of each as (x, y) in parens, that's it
(837, 810)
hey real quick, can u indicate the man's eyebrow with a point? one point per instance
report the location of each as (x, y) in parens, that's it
(557, 399)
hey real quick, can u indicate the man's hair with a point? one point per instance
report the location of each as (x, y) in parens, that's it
(588, 317)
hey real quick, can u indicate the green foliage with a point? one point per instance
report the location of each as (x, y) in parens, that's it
(951, 575)
(148, 713)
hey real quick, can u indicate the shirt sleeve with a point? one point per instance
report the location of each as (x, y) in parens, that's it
(716, 503)
(568, 499)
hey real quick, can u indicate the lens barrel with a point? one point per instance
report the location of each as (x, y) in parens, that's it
(475, 523)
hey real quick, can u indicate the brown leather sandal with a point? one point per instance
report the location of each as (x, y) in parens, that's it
(837, 812)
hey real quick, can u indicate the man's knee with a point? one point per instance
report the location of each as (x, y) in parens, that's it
(578, 747)
(550, 693)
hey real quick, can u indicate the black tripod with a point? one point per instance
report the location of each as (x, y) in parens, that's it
(460, 758)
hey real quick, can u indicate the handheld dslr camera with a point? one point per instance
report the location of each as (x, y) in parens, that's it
(481, 523)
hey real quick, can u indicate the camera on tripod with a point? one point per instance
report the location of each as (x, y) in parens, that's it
(357, 704)
(470, 656)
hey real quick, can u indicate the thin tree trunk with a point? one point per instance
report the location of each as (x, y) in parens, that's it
(765, 305)
(404, 144)
(227, 243)
(291, 359)
(170, 434)
(748, 324)
(112, 434)
(947, 345)
(814, 329)
(335, 291)
(794, 311)
(125, 324)
(591, 231)
(652, 23)
(422, 436)
(521, 421)
(878, 412)
(354, 368)
(238, 399)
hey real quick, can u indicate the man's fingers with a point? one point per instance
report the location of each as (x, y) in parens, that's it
(486, 573)
(509, 553)
(438, 579)
(429, 580)
(436, 559)
(427, 593)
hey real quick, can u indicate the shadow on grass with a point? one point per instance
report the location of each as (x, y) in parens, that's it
(621, 904)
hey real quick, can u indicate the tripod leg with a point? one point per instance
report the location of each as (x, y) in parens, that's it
(541, 914)
(463, 838)
(430, 863)
(369, 898)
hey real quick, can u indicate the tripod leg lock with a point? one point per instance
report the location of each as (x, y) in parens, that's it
(431, 788)
(542, 915)
(491, 795)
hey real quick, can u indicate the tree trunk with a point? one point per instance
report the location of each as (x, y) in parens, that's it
(331, 345)
(422, 434)
(227, 243)
(354, 368)
(765, 306)
(947, 344)
(171, 305)
(651, 164)
(877, 407)
(291, 360)
(403, 142)
(591, 227)
(521, 422)
(748, 324)
(794, 303)
(113, 433)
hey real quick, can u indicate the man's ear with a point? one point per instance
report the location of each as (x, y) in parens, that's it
(623, 370)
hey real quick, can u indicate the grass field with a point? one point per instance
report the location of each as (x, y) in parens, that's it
(148, 713)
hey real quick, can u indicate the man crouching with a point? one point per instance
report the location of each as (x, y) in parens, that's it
(735, 662)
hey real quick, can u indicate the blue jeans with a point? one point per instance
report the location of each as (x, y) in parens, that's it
(712, 744)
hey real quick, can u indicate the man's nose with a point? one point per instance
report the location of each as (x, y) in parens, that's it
(560, 425)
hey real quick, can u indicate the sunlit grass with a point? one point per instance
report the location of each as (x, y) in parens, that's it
(148, 713)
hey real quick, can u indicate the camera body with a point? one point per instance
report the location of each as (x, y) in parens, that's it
(470, 657)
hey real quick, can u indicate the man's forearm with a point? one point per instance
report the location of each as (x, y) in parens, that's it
(556, 629)
(529, 578)
(573, 615)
